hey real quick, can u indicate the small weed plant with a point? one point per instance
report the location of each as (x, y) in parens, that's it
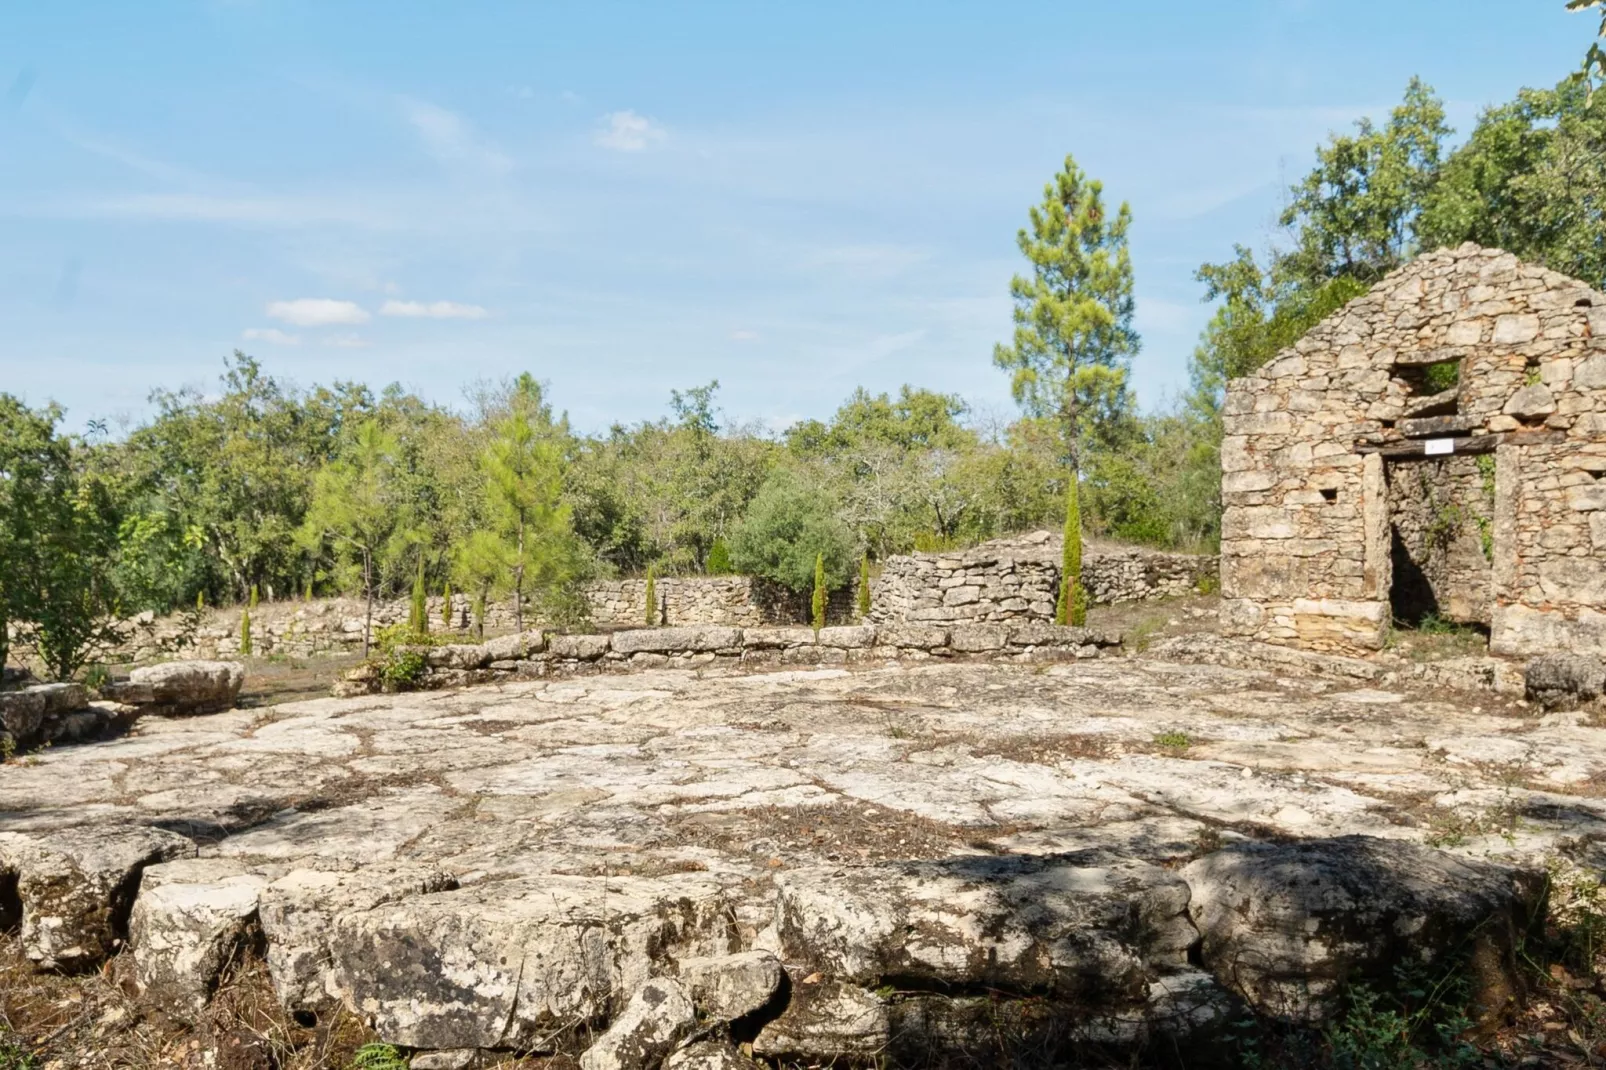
(378, 1057)
(1174, 740)
(13, 1056)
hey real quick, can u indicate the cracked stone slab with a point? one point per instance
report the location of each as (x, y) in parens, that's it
(188, 924)
(516, 964)
(1079, 926)
(77, 886)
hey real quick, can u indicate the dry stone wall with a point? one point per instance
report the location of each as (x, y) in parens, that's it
(1314, 439)
(1018, 580)
(535, 654)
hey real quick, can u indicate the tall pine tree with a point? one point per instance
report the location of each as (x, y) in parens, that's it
(1074, 340)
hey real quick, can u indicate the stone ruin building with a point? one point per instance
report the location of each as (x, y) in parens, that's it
(1436, 448)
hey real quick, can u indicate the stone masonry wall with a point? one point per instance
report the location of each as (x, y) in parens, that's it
(1311, 439)
(1441, 511)
(1018, 580)
(335, 626)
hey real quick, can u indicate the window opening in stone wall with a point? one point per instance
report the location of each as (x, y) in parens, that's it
(1434, 389)
(1330, 494)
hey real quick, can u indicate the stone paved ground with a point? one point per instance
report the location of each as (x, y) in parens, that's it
(722, 781)
(744, 774)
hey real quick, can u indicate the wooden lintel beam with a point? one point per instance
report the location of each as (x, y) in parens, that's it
(1467, 444)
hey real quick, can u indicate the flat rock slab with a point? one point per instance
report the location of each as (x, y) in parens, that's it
(506, 865)
(1083, 927)
(515, 964)
(77, 885)
(1287, 925)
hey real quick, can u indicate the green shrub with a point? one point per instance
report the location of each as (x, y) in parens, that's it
(652, 597)
(1174, 740)
(1071, 607)
(97, 676)
(719, 559)
(864, 587)
(418, 611)
(822, 597)
(402, 668)
(788, 529)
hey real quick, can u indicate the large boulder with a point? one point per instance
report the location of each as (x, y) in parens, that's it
(189, 922)
(181, 688)
(76, 886)
(299, 909)
(1085, 927)
(659, 1016)
(514, 964)
(515, 647)
(1288, 925)
(1564, 680)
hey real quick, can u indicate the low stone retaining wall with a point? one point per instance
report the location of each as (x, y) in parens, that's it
(1018, 580)
(537, 654)
(46, 714)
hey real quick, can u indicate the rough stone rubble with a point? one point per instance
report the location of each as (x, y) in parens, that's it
(1356, 490)
(823, 862)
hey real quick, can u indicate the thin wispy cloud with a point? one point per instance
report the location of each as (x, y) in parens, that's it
(744, 336)
(317, 312)
(270, 334)
(625, 131)
(347, 341)
(449, 138)
(433, 310)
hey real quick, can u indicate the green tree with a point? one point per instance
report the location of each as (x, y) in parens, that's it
(355, 513)
(418, 608)
(527, 546)
(1074, 339)
(1531, 180)
(1595, 58)
(787, 529)
(719, 558)
(245, 634)
(1071, 607)
(650, 606)
(58, 542)
(822, 594)
(864, 587)
(1356, 211)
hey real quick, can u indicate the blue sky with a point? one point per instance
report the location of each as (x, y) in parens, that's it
(795, 199)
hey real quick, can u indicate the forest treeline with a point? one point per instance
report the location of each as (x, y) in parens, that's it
(263, 488)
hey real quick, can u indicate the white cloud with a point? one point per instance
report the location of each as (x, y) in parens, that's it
(628, 132)
(434, 310)
(450, 139)
(347, 341)
(744, 336)
(270, 334)
(317, 312)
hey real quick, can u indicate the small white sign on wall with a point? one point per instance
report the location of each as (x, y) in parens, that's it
(1436, 447)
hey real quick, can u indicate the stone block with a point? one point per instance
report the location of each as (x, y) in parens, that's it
(912, 636)
(514, 647)
(578, 647)
(855, 637)
(676, 640)
(977, 638)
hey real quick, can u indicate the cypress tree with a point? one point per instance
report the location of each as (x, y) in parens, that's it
(253, 603)
(652, 597)
(821, 596)
(719, 559)
(864, 587)
(418, 614)
(245, 631)
(200, 600)
(1072, 605)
